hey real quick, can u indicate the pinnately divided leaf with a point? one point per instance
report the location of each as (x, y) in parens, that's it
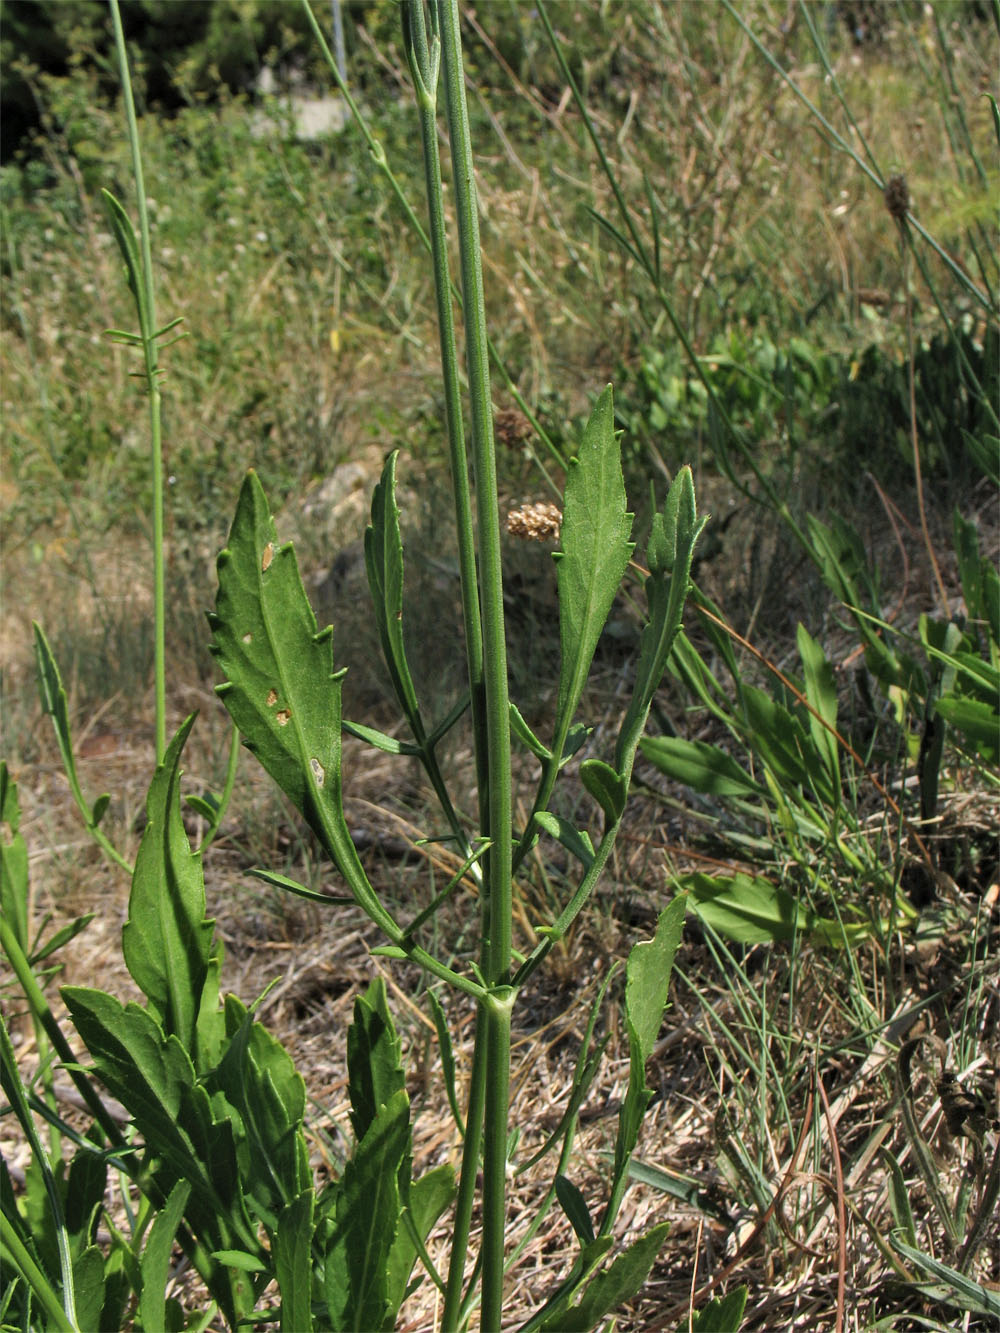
(595, 551)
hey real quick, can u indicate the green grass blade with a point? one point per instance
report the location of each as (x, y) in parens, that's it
(167, 939)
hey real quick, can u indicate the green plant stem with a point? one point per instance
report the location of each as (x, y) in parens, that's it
(496, 945)
(381, 161)
(40, 1009)
(148, 330)
(20, 1259)
(471, 1147)
(424, 63)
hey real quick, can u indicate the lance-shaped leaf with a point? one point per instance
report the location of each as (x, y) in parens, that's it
(13, 861)
(167, 940)
(281, 689)
(613, 1286)
(669, 554)
(647, 981)
(700, 766)
(384, 565)
(595, 550)
(374, 1061)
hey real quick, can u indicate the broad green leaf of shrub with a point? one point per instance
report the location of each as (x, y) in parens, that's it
(167, 940)
(595, 552)
(702, 767)
(367, 1219)
(281, 689)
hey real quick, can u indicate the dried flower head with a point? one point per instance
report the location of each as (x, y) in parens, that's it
(535, 522)
(897, 197)
(512, 427)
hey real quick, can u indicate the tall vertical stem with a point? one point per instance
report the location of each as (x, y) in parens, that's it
(496, 946)
(148, 330)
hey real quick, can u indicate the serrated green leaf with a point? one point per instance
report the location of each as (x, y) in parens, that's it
(167, 940)
(374, 1058)
(260, 1082)
(595, 551)
(607, 787)
(368, 1215)
(293, 1262)
(155, 1262)
(281, 689)
(702, 767)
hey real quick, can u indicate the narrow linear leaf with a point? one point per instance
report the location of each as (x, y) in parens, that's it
(669, 553)
(575, 840)
(384, 565)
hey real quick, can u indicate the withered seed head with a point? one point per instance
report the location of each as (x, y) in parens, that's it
(511, 426)
(535, 522)
(897, 197)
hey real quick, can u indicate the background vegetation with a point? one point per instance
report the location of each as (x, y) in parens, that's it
(310, 350)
